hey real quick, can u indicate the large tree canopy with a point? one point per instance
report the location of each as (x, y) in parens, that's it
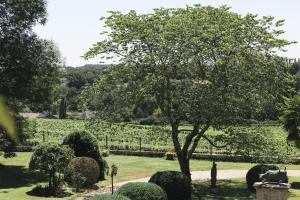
(206, 65)
(28, 65)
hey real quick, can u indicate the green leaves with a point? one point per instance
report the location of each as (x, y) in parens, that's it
(291, 117)
(199, 63)
(6, 120)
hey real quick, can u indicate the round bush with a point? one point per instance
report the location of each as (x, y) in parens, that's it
(86, 168)
(85, 145)
(253, 174)
(142, 191)
(175, 184)
(109, 197)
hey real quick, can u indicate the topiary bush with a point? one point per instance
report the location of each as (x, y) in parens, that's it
(85, 145)
(253, 174)
(142, 191)
(53, 160)
(82, 169)
(109, 197)
(176, 184)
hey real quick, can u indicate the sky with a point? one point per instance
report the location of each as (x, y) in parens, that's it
(74, 25)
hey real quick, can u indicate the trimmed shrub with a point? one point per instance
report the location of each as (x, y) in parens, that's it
(176, 184)
(109, 197)
(85, 145)
(253, 174)
(53, 160)
(82, 169)
(142, 191)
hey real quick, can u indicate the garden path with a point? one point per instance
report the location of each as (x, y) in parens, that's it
(196, 175)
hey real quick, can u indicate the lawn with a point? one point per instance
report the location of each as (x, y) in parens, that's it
(16, 180)
(232, 189)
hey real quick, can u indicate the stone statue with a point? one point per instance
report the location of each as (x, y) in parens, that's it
(213, 179)
(278, 176)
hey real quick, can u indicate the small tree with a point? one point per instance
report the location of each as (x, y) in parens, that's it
(63, 109)
(53, 160)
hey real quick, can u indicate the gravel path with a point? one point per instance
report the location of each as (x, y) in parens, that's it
(196, 175)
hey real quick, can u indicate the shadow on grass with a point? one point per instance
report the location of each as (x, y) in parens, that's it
(39, 191)
(12, 176)
(227, 189)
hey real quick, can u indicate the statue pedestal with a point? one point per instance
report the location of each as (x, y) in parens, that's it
(271, 191)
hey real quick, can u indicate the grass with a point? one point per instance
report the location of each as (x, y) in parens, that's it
(232, 189)
(229, 189)
(16, 180)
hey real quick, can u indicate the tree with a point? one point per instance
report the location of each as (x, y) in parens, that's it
(41, 88)
(53, 160)
(291, 119)
(63, 109)
(76, 79)
(205, 65)
(27, 64)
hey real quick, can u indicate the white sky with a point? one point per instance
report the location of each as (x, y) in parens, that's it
(74, 24)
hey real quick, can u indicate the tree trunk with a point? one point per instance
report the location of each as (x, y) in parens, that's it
(50, 180)
(185, 166)
(182, 156)
(184, 163)
(185, 152)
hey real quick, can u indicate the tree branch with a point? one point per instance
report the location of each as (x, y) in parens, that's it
(212, 143)
(176, 140)
(189, 139)
(196, 140)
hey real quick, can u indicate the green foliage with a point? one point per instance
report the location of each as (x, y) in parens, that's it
(47, 73)
(176, 184)
(63, 109)
(8, 130)
(26, 60)
(77, 78)
(258, 143)
(142, 191)
(85, 145)
(291, 117)
(256, 140)
(53, 160)
(253, 174)
(109, 197)
(6, 119)
(82, 172)
(208, 70)
(208, 66)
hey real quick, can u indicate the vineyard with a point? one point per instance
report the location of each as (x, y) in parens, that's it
(129, 136)
(109, 135)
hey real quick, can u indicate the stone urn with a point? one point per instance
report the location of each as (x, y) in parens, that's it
(271, 190)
